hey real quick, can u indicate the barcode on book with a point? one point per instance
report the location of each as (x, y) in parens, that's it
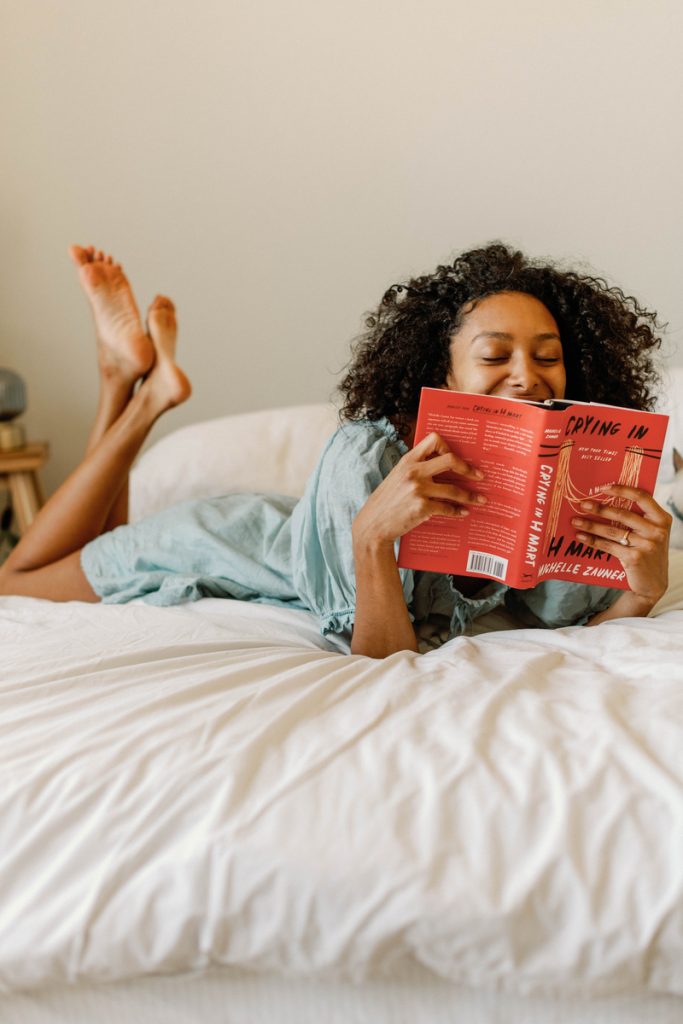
(480, 561)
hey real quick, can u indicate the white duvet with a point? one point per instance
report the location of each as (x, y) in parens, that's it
(215, 784)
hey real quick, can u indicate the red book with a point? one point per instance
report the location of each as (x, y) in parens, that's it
(540, 460)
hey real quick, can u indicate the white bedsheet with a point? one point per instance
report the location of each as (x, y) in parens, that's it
(215, 784)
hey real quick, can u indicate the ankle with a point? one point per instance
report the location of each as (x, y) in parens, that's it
(114, 381)
(144, 408)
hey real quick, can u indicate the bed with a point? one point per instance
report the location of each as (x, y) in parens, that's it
(212, 813)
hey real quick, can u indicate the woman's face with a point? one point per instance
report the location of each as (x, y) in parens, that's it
(508, 345)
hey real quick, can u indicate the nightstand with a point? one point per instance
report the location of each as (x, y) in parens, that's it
(20, 468)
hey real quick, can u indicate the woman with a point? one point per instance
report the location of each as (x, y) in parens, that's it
(493, 322)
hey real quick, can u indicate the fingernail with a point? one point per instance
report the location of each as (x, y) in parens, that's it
(478, 475)
(588, 505)
(481, 498)
(463, 512)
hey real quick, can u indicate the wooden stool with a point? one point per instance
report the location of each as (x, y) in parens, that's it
(20, 467)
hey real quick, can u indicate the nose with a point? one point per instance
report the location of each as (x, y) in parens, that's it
(524, 374)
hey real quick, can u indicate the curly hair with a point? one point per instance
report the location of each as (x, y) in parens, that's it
(607, 337)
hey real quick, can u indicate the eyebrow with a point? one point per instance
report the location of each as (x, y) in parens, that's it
(504, 336)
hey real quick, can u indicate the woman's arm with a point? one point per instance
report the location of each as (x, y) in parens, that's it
(627, 605)
(406, 497)
(646, 556)
(382, 624)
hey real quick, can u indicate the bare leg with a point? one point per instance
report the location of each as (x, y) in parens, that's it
(125, 353)
(46, 561)
(116, 390)
(162, 330)
(113, 400)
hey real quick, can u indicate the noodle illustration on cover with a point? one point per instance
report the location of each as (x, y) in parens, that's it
(540, 461)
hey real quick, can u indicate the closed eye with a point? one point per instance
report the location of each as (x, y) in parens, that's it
(505, 358)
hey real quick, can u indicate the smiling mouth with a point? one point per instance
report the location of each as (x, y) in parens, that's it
(524, 396)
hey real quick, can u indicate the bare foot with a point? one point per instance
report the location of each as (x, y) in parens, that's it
(166, 382)
(124, 348)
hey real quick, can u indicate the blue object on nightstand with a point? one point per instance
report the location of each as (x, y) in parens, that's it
(12, 404)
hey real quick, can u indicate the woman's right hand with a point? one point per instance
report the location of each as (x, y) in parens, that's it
(409, 494)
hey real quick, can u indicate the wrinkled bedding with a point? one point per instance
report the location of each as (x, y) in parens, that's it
(217, 784)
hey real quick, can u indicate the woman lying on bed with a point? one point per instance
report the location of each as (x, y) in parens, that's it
(493, 322)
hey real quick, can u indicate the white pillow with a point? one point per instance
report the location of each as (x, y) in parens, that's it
(669, 489)
(673, 599)
(272, 450)
(671, 403)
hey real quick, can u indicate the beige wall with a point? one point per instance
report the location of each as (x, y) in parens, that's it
(274, 166)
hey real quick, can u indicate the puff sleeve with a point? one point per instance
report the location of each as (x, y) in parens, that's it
(353, 464)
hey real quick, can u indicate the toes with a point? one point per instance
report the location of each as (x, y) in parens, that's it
(161, 324)
(79, 255)
(162, 302)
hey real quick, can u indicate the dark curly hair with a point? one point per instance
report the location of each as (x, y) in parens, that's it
(607, 337)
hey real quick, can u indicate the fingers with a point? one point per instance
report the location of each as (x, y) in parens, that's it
(436, 457)
(623, 543)
(637, 530)
(624, 552)
(451, 492)
(639, 541)
(431, 457)
(451, 463)
(620, 516)
(444, 508)
(654, 525)
(431, 443)
(590, 532)
(650, 507)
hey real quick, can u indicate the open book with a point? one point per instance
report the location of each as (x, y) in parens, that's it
(540, 460)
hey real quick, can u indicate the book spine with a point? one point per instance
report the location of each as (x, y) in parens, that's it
(535, 517)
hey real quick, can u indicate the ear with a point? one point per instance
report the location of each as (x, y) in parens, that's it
(678, 461)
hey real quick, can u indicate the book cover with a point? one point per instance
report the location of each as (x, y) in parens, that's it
(540, 461)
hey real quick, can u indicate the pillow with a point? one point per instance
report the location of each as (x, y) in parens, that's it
(669, 489)
(671, 403)
(673, 599)
(272, 450)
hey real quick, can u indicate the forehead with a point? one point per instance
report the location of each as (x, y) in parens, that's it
(511, 312)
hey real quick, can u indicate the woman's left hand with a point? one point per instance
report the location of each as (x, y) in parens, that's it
(639, 540)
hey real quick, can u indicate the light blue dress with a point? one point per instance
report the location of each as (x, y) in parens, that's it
(298, 552)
